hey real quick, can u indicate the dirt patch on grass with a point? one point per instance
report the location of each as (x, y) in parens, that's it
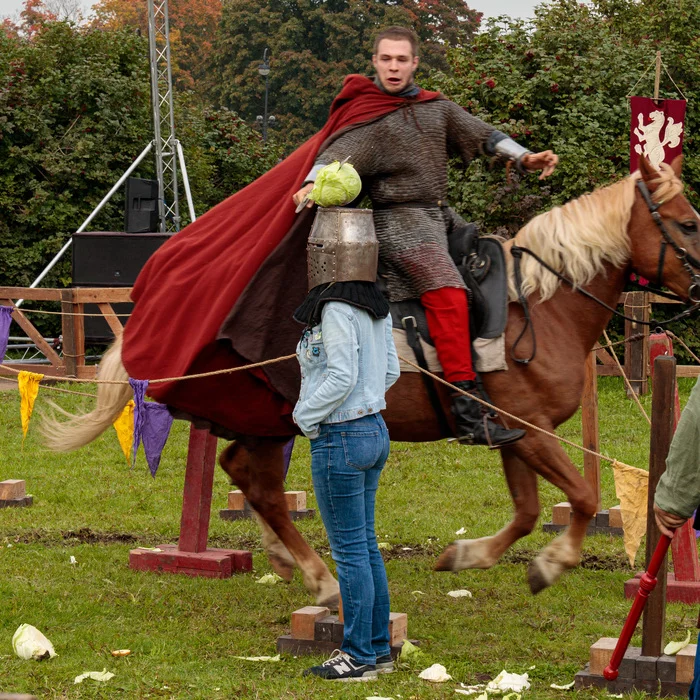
(595, 562)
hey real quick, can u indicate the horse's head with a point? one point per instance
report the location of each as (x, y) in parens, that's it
(664, 231)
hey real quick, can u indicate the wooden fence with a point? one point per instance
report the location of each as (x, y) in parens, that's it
(72, 362)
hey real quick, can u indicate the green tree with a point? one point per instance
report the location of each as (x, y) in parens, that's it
(74, 113)
(313, 45)
(561, 81)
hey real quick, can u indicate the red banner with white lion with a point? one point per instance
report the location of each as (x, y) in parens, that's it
(656, 131)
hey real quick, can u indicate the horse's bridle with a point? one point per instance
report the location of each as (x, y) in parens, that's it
(690, 263)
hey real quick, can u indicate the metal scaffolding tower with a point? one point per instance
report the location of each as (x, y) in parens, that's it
(163, 115)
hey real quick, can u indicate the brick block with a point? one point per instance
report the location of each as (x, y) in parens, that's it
(628, 665)
(602, 520)
(12, 489)
(304, 621)
(323, 630)
(666, 668)
(398, 628)
(645, 668)
(685, 661)
(561, 513)
(296, 500)
(236, 500)
(615, 516)
(600, 654)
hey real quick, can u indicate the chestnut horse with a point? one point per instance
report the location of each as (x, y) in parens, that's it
(594, 242)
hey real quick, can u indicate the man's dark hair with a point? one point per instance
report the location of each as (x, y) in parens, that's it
(397, 34)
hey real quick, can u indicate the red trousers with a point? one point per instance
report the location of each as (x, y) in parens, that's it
(447, 313)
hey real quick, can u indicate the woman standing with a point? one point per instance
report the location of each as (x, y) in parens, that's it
(348, 362)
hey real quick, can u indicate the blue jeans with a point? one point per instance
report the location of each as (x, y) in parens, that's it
(346, 462)
(694, 690)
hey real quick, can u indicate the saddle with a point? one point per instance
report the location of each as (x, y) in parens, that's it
(482, 264)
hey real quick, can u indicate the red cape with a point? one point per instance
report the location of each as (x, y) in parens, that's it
(220, 293)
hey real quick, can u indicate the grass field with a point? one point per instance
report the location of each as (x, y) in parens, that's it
(184, 632)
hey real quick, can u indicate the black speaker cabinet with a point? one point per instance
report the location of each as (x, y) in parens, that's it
(110, 260)
(141, 205)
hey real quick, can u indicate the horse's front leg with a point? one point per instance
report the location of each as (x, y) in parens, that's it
(548, 459)
(484, 552)
(256, 466)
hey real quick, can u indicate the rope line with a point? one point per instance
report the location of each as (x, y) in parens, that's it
(510, 415)
(630, 390)
(229, 370)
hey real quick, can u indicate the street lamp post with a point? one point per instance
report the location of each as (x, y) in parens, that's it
(264, 70)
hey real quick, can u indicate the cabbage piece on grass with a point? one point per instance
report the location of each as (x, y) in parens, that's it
(29, 643)
(336, 185)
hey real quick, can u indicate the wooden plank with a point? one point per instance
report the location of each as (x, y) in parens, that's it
(605, 357)
(85, 295)
(30, 294)
(664, 380)
(112, 319)
(589, 419)
(687, 371)
(46, 370)
(26, 325)
(73, 333)
(608, 371)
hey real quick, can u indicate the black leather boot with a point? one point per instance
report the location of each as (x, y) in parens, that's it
(474, 427)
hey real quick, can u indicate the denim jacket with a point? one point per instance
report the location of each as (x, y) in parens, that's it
(348, 362)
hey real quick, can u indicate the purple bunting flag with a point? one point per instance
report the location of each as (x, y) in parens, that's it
(287, 455)
(156, 428)
(139, 386)
(152, 423)
(5, 320)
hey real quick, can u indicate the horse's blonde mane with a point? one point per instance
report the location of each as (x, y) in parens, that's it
(577, 238)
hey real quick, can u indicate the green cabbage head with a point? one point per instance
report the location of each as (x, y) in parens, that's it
(336, 185)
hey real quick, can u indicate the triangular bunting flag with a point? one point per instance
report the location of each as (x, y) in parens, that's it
(28, 383)
(631, 487)
(5, 320)
(139, 386)
(155, 431)
(124, 425)
(287, 455)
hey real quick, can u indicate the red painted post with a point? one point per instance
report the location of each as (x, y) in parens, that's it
(191, 556)
(199, 483)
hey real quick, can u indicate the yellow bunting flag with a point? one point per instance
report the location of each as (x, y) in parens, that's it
(28, 383)
(632, 487)
(124, 425)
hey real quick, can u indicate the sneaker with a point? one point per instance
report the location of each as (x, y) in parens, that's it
(385, 664)
(342, 667)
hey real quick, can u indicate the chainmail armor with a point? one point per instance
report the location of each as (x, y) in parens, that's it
(402, 157)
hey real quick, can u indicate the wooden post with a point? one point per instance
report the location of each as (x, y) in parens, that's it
(664, 379)
(192, 556)
(589, 418)
(636, 306)
(73, 331)
(657, 77)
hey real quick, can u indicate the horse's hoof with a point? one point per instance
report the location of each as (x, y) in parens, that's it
(281, 567)
(536, 578)
(446, 562)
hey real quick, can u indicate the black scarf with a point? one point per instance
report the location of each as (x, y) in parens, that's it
(363, 295)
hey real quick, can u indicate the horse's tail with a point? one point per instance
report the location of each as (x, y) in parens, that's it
(79, 430)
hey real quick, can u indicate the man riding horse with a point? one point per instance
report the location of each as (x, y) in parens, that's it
(402, 159)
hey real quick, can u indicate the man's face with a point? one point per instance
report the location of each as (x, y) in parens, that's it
(395, 64)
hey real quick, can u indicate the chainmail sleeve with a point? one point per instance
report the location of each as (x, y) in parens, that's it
(359, 145)
(467, 135)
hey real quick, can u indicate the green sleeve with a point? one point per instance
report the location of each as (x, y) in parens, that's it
(678, 490)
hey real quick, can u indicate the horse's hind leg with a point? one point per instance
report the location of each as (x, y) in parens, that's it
(256, 466)
(548, 459)
(484, 552)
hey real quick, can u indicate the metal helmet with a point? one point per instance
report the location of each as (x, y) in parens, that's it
(342, 246)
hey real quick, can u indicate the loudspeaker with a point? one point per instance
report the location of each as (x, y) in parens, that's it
(110, 260)
(141, 206)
